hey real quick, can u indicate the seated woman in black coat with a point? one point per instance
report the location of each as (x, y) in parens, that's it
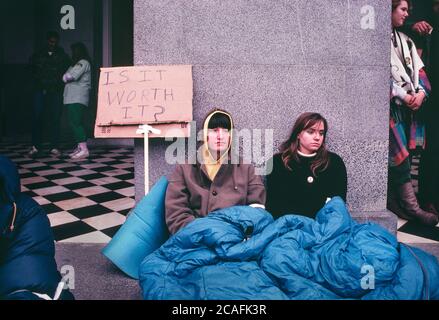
(305, 174)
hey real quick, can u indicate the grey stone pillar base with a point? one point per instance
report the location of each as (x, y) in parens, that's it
(385, 218)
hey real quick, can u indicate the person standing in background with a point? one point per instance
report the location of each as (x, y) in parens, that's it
(77, 96)
(422, 27)
(47, 67)
(409, 90)
(429, 162)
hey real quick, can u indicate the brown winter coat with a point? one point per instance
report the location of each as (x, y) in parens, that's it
(192, 194)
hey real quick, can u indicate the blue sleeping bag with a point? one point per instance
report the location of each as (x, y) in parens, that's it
(144, 231)
(27, 252)
(293, 257)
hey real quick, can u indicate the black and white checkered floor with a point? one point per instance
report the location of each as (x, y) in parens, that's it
(87, 201)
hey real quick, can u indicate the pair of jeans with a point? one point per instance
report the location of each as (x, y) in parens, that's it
(48, 103)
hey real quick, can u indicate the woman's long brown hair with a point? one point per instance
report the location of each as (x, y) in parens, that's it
(396, 3)
(290, 147)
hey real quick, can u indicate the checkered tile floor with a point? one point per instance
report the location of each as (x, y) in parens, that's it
(86, 201)
(412, 232)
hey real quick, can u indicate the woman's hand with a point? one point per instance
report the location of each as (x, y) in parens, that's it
(67, 78)
(422, 28)
(415, 102)
(419, 99)
(408, 100)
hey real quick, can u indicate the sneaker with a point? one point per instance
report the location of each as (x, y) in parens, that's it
(55, 152)
(33, 151)
(82, 154)
(75, 151)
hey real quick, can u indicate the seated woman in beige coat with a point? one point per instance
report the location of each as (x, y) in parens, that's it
(195, 190)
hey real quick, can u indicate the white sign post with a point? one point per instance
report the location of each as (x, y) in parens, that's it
(146, 129)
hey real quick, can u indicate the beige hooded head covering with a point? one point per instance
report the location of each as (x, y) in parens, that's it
(211, 163)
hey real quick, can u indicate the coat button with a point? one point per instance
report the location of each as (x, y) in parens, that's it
(214, 193)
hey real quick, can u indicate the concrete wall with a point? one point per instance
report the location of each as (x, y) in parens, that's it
(268, 61)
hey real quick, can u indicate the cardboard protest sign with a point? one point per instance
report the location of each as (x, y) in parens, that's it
(130, 96)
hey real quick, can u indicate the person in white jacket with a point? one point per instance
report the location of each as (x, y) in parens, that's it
(77, 95)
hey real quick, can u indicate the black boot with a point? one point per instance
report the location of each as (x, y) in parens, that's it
(409, 203)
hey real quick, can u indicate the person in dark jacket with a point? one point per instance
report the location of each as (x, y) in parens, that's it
(214, 182)
(429, 162)
(27, 252)
(48, 67)
(305, 174)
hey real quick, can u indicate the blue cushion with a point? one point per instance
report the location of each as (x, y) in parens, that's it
(144, 231)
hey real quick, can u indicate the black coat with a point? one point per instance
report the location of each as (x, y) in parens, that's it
(300, 192)
(48, 70)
